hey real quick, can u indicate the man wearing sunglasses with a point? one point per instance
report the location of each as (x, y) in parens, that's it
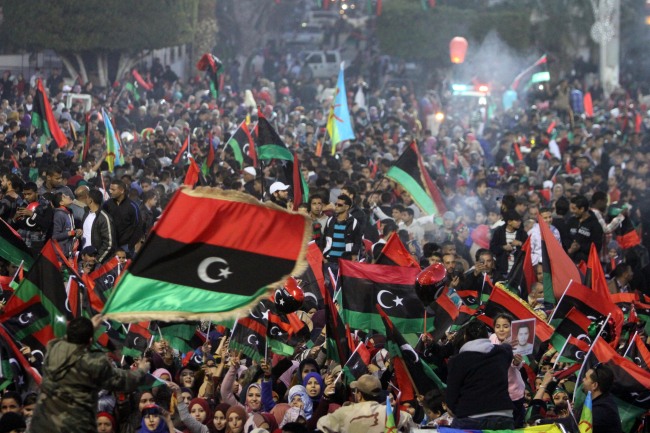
(342, 233)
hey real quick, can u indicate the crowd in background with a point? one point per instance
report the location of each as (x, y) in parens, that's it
(586, 176)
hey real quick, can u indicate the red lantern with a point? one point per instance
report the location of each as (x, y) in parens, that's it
(457, 49)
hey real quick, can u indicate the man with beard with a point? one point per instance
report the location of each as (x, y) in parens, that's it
(10, 197)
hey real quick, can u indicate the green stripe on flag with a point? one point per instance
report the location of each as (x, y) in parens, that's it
(372, 321)
(156, 299)
(411, 185)
(236, 150)
(273, 151)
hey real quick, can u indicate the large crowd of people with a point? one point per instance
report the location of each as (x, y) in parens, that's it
(585, 176)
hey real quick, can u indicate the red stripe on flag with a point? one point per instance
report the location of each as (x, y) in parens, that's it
(55, 130)
(229, 224)
(380, 274)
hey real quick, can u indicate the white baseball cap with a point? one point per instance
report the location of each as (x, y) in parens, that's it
(278, 186)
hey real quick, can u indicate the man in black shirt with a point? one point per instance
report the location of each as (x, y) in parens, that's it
(584, 229)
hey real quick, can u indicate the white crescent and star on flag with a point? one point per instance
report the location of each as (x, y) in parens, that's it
(224, 270)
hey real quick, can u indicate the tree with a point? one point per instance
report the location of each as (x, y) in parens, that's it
(98, 31)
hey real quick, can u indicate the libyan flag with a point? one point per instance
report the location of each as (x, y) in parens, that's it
(414, 376)
(37, 312)
(43, 117)
(550, 428)
(392, 287)
(13, 248)
(410, 173)
(211, 255)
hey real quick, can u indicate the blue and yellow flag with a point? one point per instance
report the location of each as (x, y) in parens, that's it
(586, 417)
(339, 126)
(114, 155)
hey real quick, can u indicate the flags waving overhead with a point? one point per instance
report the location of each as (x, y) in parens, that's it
(395, 253)
(37, 312)
(339, 125)
(410, 173)
(558, 267)
(203, 258)
(114, 156)
(43, 117)
(13, 248)
(392, 287)
(238, 141)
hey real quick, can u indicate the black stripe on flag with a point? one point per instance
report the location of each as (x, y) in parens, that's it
(209, 267)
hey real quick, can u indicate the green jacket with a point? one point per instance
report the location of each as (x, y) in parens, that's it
(72, 378)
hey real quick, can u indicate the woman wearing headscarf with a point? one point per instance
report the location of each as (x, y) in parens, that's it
(219, 419)
(300, 405)
(236, 417)
(156, 420)
(253, 398)
(197, 416)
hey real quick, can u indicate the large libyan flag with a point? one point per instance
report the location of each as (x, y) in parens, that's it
(212, 254)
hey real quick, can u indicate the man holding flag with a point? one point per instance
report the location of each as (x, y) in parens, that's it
(367, 415)
(604, 413)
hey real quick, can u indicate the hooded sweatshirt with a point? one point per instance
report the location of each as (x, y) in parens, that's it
(477, 380)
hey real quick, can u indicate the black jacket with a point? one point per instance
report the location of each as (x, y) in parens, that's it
(496, 246)
(477, 379)
(584, 233)
(102, 234)
(126, 217)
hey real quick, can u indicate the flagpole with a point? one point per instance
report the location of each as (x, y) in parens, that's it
(352, 354)
(631, 343)
(561, 351)
(591, 348)
(17, 272)
(560, 301)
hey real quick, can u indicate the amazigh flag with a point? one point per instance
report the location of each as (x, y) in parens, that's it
(13, 248)
(357, 365)
(37, 312)
(392, 287)
(592, 304)
(270, 146)
(339, 125)
(43, 117)
(389, 425)
(558, 267)
(114, 156)
(502, 301)
(638, 353)
(413, 375)
(631, 387)
(211, 63)
(238, 141)
(138, 339)
(202, 260)
(395, 253)
(586, 423)
(410, 173)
